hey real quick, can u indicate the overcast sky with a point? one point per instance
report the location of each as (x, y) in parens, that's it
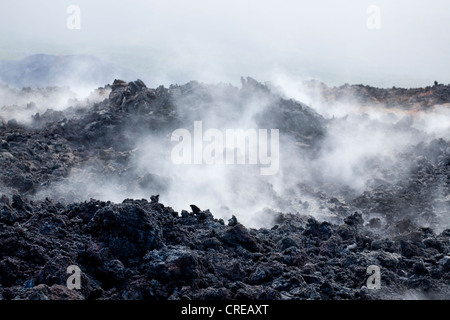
(219, 41)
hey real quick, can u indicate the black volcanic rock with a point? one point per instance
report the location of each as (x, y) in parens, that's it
(142, 249)
(126, 251)
(104, 133)
(412, 98)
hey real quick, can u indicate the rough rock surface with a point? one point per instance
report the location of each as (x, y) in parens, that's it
(141, 249)
(144, 250)
(364, 95)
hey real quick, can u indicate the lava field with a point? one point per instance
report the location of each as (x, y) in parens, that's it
(91, 184)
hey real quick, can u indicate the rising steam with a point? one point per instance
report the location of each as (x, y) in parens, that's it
(359, 149)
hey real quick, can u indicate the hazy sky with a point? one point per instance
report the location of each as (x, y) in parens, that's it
(219, 41)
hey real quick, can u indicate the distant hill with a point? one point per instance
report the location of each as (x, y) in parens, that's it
(41, 70)
(364, 95)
